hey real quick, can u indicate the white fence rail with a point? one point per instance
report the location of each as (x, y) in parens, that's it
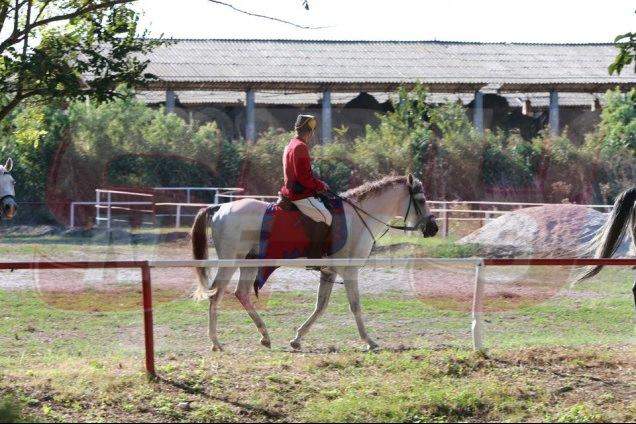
(447, 211)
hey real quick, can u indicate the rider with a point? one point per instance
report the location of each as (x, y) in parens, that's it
(301, 187)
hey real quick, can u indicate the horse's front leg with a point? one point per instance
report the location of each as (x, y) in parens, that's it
(324, 293)
(350, 276)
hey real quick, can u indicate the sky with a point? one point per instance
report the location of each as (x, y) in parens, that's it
(540, 21)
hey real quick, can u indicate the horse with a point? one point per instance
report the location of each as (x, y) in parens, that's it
(606, 240)
(236, 230)
(8, 205)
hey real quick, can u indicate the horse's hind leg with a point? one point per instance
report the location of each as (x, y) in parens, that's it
(324, 292)
(634, 292)
(242, 293)
(222, 279)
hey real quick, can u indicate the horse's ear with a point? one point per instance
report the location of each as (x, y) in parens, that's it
(410, 180)
(9, 165)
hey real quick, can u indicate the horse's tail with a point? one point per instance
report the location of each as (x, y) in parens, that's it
(199, 236)
(609, 237)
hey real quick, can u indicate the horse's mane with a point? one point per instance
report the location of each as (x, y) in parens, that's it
(373, 188)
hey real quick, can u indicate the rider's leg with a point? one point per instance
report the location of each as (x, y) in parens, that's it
(317, 211)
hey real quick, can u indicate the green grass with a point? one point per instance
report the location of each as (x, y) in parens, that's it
(434, 247)
(59, 365)
(78, 356)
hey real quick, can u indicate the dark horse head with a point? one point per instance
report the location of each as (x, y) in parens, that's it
(425, 220)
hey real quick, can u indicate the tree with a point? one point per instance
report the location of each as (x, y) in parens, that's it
(626, 45)
(65, 49)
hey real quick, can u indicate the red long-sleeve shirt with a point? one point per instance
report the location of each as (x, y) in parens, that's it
(300, 182)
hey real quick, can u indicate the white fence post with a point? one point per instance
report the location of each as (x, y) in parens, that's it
(177, 222)
(108, 211)
(445, 220)
(97, 201)
(72, 220)
(478, 308)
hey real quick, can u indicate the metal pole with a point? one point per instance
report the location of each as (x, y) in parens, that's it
(478, 309)
(188, 199)
(177, 223)
(148, 330)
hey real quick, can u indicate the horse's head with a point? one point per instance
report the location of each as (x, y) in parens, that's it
(8, 206)
(418, 214)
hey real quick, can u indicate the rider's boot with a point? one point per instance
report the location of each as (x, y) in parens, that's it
(319, 234)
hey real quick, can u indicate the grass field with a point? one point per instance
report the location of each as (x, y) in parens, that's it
(568, 358)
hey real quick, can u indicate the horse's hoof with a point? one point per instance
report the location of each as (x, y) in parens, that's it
(295, 344)
(267, 343)
(373, 347)
(217, 348)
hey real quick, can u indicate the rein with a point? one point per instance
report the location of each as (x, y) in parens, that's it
(388, 226)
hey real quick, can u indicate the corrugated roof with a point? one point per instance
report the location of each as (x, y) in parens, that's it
(356, 65)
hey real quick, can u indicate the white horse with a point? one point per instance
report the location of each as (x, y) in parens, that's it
(236, 230)
(610, 236)
(8, 206)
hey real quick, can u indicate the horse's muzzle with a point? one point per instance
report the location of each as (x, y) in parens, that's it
(9, 207)
(430, 227)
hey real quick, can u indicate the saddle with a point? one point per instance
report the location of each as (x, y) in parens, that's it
(285, 204)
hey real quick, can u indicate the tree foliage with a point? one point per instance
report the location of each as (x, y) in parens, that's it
(65, 49)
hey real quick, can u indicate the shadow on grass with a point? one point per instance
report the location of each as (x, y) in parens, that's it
(191, 390)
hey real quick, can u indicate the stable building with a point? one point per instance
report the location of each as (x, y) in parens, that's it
(248, 86)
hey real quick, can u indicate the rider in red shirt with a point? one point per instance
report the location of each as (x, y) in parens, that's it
(301, 186)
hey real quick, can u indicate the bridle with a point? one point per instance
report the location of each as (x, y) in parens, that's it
(359, 211)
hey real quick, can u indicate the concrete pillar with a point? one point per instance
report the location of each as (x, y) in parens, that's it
(478, 112)
(250, 115)
(554, 113)
(526, 109)
(326, 116)
(170, 101)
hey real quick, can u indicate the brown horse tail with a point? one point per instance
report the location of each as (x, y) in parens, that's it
(610, 235)
(199, 236)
